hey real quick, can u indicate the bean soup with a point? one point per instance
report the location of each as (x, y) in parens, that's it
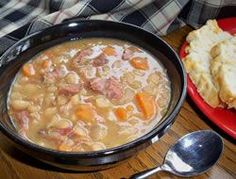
(88, 95)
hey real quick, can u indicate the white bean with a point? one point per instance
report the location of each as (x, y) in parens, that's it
(98, 132)
(139, 72)
(76, 99)
(61, 100)
(80, 131)
(49, 99)
(117, 64)
(88, 71)
(58, 122)
(20, 104)
(88, 146)
(38, 99)
(126, 98)
(98, 146)
(30, 89)
(34, 108)
(151, 89)
(103, 71)
(52, 89)
(63, 123)
(72, 78)
(16, 95)
(35, 116)
(128, 77)
(135, 84)
(102, 102)
(49, 112)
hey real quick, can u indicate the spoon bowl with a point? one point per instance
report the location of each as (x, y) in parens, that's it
(191, 155)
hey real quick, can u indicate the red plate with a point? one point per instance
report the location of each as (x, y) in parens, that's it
(223, 118)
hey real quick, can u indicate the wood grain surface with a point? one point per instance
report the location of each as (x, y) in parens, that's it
(15, 164)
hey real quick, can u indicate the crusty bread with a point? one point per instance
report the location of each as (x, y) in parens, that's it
(223, 69)
(197, 62)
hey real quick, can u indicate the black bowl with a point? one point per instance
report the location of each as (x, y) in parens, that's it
(26, 48)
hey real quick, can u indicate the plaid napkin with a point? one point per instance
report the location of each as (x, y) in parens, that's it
(20, 18)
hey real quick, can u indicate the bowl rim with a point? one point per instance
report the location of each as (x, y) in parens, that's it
(114, 150)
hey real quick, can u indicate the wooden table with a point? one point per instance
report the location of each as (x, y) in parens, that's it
(15, 164)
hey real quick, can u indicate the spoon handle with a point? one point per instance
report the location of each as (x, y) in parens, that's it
(146, 173)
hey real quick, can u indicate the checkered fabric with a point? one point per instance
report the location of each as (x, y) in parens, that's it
(19, 18)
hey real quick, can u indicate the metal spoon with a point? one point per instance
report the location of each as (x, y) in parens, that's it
(191, 155)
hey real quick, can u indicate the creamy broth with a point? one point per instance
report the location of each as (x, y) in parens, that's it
(88, 95)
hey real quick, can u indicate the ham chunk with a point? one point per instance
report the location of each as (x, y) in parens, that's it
(53, 136)
(70, 89)
(100, 60)
(113, 89)
(22, 118)
(78, 58)
(58, 72)
(110, 87)
(63, 131)
(97, 85)
(127, 54)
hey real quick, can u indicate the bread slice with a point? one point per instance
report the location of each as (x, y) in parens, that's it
(197, 62)
(223, 69)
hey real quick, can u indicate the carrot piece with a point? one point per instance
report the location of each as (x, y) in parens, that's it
(121, 113)
(139, 63)
(109, 51)
(146, 104)
(46, 64)
(85, 112)
(28, 70)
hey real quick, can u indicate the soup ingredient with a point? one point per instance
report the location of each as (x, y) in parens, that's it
(22, 118)
(79, 130)
(65, 146)
(61, 124)
(54, 136)
(72, 78)
(121, 113)
(102, 102)
(20, 104)
(129, 52)
(130, 108)
(146, 104)
(139, 63)
(97, 85)
(80, 56)
(110, 87)
(70, 89)
(100, 60)
(109, 51)
(113, 89)
(98, 132)
(28, 70)
(85, 113)
(47, 64)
